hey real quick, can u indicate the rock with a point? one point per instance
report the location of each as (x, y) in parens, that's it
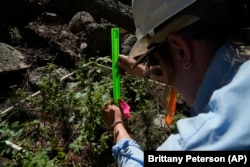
(79, 21)
(128, 43)
(50, 18)
(11, 59)
(98, 38)
(12, 67)
(36, 74)
(159, 121)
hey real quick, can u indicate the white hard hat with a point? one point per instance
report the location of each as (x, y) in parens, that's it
(150, 14)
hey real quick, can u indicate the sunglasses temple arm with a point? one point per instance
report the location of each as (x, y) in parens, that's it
(143, 57)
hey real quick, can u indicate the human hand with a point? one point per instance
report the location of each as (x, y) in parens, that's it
(111, 114)
(155, 73)
(126, 63)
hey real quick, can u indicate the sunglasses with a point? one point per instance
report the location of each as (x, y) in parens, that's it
(148, 57)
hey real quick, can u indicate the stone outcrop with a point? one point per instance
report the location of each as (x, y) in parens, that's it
(11, 59)
(52, 38)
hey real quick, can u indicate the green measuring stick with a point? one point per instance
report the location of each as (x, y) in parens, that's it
(115, 69)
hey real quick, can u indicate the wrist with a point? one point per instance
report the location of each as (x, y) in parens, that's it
(119, 132)
(116, 123)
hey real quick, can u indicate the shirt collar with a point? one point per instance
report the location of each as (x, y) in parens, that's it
(219, 73)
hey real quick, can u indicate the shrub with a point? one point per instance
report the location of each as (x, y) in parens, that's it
(63, 124)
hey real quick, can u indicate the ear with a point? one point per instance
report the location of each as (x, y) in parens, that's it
(180, 47)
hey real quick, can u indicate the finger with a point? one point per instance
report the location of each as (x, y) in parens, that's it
(107, 105)
(125, 60)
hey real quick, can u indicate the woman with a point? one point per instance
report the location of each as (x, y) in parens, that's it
(203, 53)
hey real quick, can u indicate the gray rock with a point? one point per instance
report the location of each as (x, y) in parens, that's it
(36, 74)
(98, 38)
(159, 121)
(11, 59)
(79, 21)
(128, 43)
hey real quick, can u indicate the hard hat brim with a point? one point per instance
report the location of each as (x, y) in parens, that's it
(141, 45)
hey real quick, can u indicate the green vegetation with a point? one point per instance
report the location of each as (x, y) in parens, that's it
(62, 125)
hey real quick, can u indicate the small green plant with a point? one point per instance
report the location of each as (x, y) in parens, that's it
(62, 125)
(15, 34)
